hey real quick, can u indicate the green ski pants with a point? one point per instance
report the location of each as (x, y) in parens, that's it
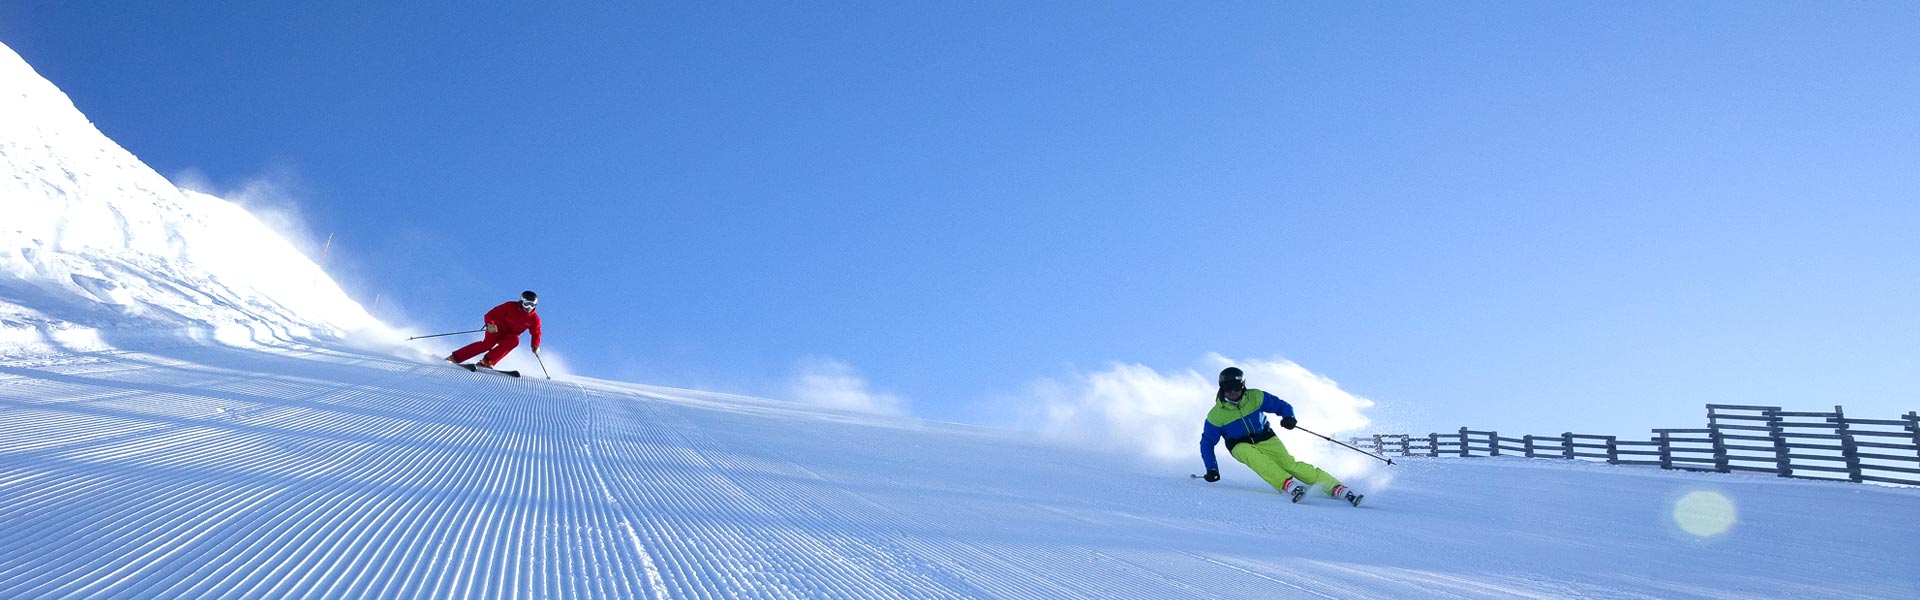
(1270, 459)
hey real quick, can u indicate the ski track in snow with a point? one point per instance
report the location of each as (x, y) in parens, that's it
(202, 472)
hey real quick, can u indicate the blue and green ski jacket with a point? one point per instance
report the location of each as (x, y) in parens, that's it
(1233, 421)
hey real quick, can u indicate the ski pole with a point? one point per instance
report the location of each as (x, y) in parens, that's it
(1389, 460)
(443, 334)
(543, 365)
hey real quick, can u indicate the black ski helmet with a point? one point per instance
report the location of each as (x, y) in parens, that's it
(1232, 378)
(529, 296)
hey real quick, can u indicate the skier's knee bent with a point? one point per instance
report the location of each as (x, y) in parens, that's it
(1306, 473)
(1262, 465)
(506, 343)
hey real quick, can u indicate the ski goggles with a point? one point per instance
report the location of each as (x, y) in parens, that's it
(529, 303)
(1222, 394)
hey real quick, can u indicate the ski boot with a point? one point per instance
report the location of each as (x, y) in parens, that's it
(1346, 493)
(1294, 489)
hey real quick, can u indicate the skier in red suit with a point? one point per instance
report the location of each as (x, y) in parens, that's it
(504, 324)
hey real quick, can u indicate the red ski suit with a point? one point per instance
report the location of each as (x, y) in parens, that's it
(510, 320)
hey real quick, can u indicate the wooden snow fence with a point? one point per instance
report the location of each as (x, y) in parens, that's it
(1754, 439)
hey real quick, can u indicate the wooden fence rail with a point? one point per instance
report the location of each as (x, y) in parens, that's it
(1755, 439)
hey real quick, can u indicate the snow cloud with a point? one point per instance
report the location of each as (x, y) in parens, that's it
(1138, 409)
(835, 384)
(272, 197)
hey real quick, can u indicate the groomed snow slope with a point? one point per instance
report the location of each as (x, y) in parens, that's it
(302, 473)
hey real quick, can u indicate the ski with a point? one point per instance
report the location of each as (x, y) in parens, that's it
(1298, 492)
(478, 368)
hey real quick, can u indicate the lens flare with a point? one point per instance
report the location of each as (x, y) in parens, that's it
(1705, 514)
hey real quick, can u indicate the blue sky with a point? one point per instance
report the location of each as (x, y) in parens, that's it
(1544, 217)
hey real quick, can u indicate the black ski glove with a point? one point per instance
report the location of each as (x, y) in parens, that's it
(1288, 422)
(1212, 475)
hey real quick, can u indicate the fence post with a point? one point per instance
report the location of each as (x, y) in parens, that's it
(1433, 445)
(1463, 443)
(1379, 447)
(1719, 443)
(1566, 441)
(1913, 424)
(1782, 454)
(1719, 450)
(1493, 439)
(1847, 449)
(1666, 451)
(1613, 450)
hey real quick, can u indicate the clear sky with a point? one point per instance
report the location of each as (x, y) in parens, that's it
(1528, 216)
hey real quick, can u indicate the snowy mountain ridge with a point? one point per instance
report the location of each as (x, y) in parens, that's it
(97, 245)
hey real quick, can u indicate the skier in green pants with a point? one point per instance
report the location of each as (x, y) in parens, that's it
(1239, 416)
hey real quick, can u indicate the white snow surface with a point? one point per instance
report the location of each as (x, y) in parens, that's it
(311, 473)
(179, 418)
(96, 247)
